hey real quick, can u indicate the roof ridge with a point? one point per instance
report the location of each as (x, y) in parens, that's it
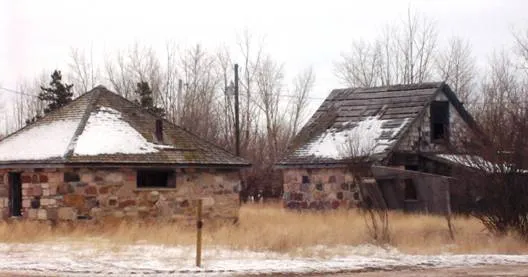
(42, 118)
(82, 123)
(176, 126)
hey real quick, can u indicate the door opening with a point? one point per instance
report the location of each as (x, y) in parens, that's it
(15, 194)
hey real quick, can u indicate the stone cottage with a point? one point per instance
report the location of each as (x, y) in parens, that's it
(104, 156)
(382, 147)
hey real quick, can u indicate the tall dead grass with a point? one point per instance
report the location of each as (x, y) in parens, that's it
(269, 227)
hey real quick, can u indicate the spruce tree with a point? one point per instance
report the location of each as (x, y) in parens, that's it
(57, 94)
(146, 101)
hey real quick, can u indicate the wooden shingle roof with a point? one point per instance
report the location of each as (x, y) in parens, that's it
(369, 119)
(101, 127)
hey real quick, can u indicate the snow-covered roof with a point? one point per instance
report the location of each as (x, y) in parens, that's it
(102, 127)
(359, 123)
(361, 139)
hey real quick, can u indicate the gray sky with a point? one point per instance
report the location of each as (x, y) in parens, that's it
(37, 35)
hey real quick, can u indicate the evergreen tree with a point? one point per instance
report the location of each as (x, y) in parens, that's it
(57, 94)
(145, 99)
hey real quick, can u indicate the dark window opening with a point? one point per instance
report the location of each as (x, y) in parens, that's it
(159, 130)
(156, 179)
(410, 190)
(305, 179)
(439, 120)
(71, 177)
(15, 194)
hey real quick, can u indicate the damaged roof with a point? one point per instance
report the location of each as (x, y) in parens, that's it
(363, 122)
(101, 127)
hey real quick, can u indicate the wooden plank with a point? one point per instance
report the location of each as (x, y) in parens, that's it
(393, 94)
(385, 101)
(408, 110)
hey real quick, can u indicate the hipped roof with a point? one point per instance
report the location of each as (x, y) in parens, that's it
(101, 127)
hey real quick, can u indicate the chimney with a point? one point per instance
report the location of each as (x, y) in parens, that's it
(159, 130)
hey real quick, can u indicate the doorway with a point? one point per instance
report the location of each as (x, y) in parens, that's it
(15, 194)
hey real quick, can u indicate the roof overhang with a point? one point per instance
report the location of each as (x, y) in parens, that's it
(116, 165)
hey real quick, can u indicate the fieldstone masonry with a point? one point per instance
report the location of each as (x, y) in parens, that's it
(327, 188)
(90, 193)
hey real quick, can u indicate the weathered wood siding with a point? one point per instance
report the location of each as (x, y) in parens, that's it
(433, 192)
(418, 136)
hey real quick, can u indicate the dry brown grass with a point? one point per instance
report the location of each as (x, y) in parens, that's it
(269, 227)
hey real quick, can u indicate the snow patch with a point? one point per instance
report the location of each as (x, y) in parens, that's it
(98, 259)
(39, 142)
(107, 133)
(359, 141)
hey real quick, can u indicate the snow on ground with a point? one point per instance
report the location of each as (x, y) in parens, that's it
(43, 141)
(100, 259)
(107, 133)
(363, 139)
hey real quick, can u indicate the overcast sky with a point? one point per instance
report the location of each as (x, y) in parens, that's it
(37, 35)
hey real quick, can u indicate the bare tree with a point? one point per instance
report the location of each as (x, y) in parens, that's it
(362, 66)
(269, 85)
(138, 63)
(27, 107)
(402, 54)
(303, 85)
(84, 73)
(201, 84)
(456, 66)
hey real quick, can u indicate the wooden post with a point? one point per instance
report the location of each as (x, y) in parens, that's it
(199, 225)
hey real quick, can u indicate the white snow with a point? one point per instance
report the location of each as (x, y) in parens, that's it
(107, 133)
(359, 141)
(43, 141)
(94, 258)
(472, 161)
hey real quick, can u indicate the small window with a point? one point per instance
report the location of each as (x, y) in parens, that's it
(332, 179)
(156, 179)
(439, 120)
(71, 177)
(410, 190)
(305, 179)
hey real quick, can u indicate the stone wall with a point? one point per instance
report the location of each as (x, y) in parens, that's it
(327, 188)
(73, 194)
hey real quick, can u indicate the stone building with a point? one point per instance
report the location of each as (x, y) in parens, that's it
(385, 146)
(103, 156)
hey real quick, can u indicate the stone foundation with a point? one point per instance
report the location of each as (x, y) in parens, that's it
(89, 193)
(320, 189)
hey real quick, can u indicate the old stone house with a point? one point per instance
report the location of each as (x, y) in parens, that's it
(384, 146)
(103, 156)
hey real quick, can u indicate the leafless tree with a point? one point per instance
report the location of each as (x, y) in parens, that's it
(456, 66)
(27, 106)
(251, 53)
(201, 80)
(138, 63)
(269, 86)
(401, 54)
(84, 73)
(302, 87)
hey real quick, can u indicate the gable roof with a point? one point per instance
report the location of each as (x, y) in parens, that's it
(101, 127)
(364, 122)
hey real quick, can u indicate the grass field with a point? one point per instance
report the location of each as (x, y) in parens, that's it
(268, 227)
